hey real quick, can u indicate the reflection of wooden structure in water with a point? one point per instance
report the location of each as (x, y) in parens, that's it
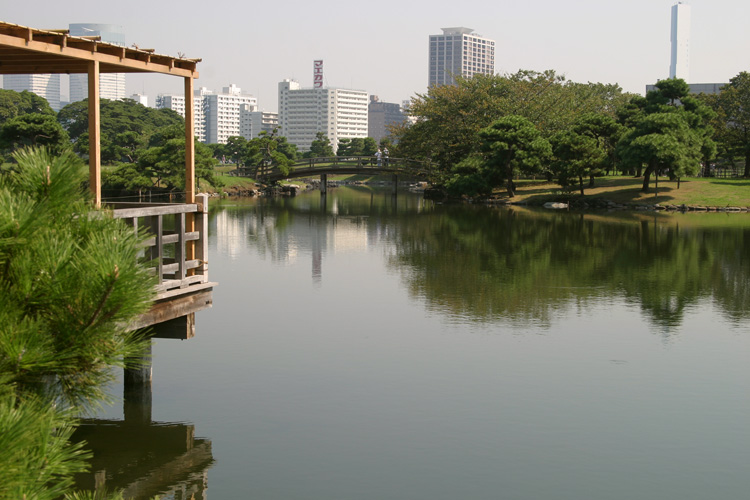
(145, 460)
(184, 283)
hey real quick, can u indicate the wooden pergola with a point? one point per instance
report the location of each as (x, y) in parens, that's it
(183, 287)
(25, 50)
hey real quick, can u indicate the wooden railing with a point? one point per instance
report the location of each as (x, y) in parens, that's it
(337, 164)
(177, 253)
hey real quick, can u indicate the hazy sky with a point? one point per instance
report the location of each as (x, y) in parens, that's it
(381, 46)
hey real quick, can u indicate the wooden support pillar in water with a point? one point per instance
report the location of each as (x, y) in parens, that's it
(395, 183)
(323, 183)
(137, 389)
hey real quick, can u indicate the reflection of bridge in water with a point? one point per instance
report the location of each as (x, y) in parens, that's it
(340, 165)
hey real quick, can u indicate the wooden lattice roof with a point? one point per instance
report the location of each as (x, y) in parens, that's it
(26, 50)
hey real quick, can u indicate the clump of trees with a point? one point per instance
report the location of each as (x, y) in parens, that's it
(58, 340)
(487, 130)
(265, 150)
(732, 120)
(357, 147)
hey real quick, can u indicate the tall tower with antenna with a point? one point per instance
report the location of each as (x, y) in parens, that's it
(679, 66)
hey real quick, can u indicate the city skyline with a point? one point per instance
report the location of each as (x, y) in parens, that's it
(386, 52)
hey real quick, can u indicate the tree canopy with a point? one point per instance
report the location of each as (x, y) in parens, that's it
(126, 127)
(320, 148)
(13, 104)
(732, 106)
(449, 118)
(669, 131)
(509, 146)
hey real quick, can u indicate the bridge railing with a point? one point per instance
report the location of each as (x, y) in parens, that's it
(333, 163)
(177, 256)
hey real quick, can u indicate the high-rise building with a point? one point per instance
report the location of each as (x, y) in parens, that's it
(679, 66)
(337, 113)
(221, 113)
(253, 122)
(459, 52)
(216, 115)
(140, 99)
(45, 85)
(111, 85)
(380, 115)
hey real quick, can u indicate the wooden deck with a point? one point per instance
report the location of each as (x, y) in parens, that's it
(176, 251)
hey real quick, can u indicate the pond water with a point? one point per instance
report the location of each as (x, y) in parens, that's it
(364, 347)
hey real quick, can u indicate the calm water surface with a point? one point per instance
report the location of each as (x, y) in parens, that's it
(372, 348)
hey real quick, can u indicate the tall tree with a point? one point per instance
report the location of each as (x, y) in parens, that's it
(576, 156)
(270, 150)
(320, 147)
(733, 106)
(669, 130)
(509, 146)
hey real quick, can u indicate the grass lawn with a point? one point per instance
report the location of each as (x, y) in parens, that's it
(693, 191)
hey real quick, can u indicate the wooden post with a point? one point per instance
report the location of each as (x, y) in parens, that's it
(395, 183)
(323, 183)
(189, 142)
(189, 163)
(95, 157)
(137, 389)
(201, 225)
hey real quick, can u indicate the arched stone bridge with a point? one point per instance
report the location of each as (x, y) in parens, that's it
(337, 165)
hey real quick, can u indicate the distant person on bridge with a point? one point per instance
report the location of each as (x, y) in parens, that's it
(379, 156)
(385, 155)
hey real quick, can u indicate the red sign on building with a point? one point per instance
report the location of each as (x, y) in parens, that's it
(318, 74)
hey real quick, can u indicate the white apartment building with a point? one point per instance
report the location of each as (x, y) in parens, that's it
(459, 52)
(221, 113)
(111, 85)
(176, 103)
(338, 113)
(46, 86)
(216, 115)
(253, 122)
(140, 99)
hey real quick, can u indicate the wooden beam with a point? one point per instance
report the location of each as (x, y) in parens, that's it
(90, 53)
(95, 159)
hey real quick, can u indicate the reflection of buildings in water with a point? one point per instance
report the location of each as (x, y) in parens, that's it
(233, 230)
(285, 237)
(145, 460)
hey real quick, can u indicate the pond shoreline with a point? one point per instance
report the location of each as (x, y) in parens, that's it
(602, 204)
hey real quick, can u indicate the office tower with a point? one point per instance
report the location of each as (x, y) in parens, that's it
(381, 115)
(111, 85)
(336, 112)
(45, 85)
(459, 52)
(679, 66)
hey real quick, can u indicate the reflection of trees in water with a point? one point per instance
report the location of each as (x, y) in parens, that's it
(485, 264)
(489, 264)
